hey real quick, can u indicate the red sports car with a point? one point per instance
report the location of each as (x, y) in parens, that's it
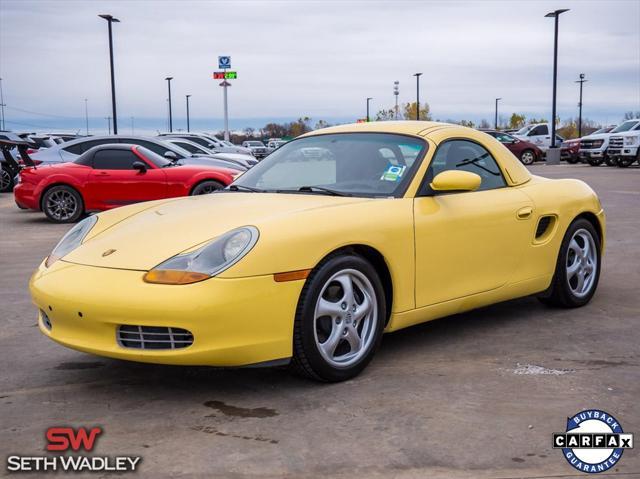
(108, 176)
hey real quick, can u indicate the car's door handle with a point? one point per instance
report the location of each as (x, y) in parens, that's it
(103, 173)
(524, 213)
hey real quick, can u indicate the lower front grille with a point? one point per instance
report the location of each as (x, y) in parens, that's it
(153, 337)
(45, 320)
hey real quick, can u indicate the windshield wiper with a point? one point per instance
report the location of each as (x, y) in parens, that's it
(244, 188)
(475, 161)
(322, 189)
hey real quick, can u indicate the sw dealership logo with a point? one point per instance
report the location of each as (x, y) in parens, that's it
(593, 442)
(65, 439)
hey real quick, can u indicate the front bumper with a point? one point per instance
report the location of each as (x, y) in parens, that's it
(235, 322)
(592, 153)
(623, 151)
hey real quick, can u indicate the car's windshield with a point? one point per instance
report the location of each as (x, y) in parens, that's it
(359, 164)
(524, 130)
(606, 129)
(255, 143)
(156, 159)
(626, 126)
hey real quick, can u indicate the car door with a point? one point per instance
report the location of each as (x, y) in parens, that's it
(114, 181)
(539, 136)
(468, 242)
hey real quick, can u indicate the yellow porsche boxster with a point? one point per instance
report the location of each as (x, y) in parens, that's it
(309, 257)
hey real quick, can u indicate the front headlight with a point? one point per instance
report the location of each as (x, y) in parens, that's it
(630, 140)
(207, 261)
(71, 240)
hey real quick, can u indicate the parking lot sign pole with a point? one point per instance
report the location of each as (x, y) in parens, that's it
(368, 100)
(581, 81)
(110, 19)
(224, 63)
(495, 123)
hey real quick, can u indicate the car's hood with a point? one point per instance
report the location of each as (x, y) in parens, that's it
(147, 234)
(599, 136)
(627, 133)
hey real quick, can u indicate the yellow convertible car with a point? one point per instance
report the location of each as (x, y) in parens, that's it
(309, 257)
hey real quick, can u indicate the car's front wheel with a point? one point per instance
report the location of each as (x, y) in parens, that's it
(62, 204)
(206, 187)
(626, 161)
(611, 161)
(595, 161)
(577, 269)
(527, 157)
(339, 320)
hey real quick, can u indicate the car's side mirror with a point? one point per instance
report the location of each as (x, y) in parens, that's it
(170, 155)
(140, 166)
(456, 180)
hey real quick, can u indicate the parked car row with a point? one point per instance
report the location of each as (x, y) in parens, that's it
(68, 179)
(615, 146)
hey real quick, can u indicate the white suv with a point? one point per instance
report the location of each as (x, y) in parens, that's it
(624, 143)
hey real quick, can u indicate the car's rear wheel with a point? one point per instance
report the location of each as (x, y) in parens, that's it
(6, 181)
(527, 157)
(206, 187)
(62, 204)
(595, 161)
(339, 319)
(577, 269)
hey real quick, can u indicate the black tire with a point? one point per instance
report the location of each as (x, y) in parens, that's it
(206, 187)
(571, 159)
(560, 292)
(62, 204)
(611, 161)
(307, 357)
(527, 157)
(595, 161)
(6, 181)
(626, 161)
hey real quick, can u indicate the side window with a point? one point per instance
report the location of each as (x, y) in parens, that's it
(466, 156)
(75, 149)
(539, 130)
(114, 160)
(158, 149)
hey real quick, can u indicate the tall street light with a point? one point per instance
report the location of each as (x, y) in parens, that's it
(581, 81)
(110, 19)
(170, 118)
(187, 97)
(417, 75)
(555, 15)
(1, 106)
(495, 123)
(368, 100)
(86, 115)
(396, 92)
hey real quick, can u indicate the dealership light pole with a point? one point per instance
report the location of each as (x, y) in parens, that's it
(1, 105)
(368, 100)
(417, 75)
(556, 16)
(187, 97)
(110, 20)
(581, 81)
(495, 123)
(170, 116)
(86, 115)
(396, 92)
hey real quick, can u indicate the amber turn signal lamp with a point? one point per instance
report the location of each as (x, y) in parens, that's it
(170, 276)
(291, 275)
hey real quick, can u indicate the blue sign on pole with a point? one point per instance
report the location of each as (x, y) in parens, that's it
(224, 62)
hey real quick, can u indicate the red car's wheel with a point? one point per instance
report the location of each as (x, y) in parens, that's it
(527, 157)
(62, 204)
(206, 187)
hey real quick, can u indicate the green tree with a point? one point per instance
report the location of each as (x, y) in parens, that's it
(409, 111)
(517, 120)
(321, 124)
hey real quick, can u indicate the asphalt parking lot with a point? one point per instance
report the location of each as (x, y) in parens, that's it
(473, 396)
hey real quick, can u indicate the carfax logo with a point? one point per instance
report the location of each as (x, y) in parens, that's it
(593, 442)
(63, 439)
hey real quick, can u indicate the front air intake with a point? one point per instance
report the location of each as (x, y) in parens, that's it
(153, 337)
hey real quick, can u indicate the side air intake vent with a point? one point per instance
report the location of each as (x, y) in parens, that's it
(545, 225)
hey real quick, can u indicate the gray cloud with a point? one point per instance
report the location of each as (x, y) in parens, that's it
(320, 58)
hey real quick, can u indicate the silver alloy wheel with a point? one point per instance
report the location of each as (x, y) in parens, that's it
(5, 179)
(527, 158)
(581, 263)
(61, 205)
(345, 318)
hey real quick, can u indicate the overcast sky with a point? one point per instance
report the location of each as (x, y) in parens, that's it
(320, 58)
